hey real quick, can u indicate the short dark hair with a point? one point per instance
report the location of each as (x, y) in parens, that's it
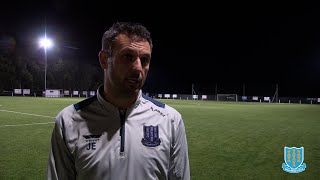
(135, 30)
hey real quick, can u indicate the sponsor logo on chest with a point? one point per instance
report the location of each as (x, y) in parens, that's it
(91, 141)
(158, 111)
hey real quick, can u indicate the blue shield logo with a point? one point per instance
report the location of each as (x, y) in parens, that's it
(151, 136)
(293, 158)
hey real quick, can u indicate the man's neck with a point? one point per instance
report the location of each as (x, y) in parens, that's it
(119, 100)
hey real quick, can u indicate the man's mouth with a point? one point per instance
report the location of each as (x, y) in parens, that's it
(133, 81)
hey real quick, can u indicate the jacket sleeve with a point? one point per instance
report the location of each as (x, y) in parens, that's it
(61, 162)
(179, 160)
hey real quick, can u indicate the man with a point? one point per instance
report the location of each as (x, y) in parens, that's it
(120, 133)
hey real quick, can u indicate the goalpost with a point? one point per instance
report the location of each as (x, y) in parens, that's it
(227, 97)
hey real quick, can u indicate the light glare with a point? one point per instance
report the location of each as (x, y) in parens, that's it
(46, 43)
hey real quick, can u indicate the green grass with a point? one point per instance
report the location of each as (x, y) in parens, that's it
(226, 140)
(24, 150)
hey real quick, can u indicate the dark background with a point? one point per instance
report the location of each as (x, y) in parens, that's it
(227, 45)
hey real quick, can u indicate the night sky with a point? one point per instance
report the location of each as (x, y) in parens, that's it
(205, 44)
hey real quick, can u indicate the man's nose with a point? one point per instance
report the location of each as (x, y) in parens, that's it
(137, 64)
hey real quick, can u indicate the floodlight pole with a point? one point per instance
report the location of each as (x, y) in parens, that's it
(243, 89)
(45, 43)
(192, 89)
(277, 92)
(45, 70)
(216, 92)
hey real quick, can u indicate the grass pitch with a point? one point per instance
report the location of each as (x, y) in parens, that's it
(226, 140)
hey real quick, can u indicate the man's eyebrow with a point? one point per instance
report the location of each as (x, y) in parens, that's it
(148, 55)
(127, 49)
(131, 50)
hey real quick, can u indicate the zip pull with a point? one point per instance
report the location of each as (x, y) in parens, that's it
(122, 113)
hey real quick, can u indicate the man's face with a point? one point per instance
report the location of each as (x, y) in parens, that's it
(129, 64)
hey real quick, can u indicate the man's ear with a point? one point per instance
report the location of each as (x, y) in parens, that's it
(103, 57)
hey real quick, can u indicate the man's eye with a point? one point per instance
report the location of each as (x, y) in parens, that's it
(144, 60)
(128, 57)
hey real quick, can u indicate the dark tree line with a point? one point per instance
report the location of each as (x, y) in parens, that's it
(25, 70)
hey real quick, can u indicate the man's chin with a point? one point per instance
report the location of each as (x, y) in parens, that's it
(133, 89)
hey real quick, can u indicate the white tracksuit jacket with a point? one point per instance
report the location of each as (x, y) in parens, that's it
(95, 140)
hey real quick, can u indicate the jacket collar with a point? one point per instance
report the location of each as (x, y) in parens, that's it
(112, 107)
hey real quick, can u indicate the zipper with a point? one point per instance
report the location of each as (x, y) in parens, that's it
(122, 130)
